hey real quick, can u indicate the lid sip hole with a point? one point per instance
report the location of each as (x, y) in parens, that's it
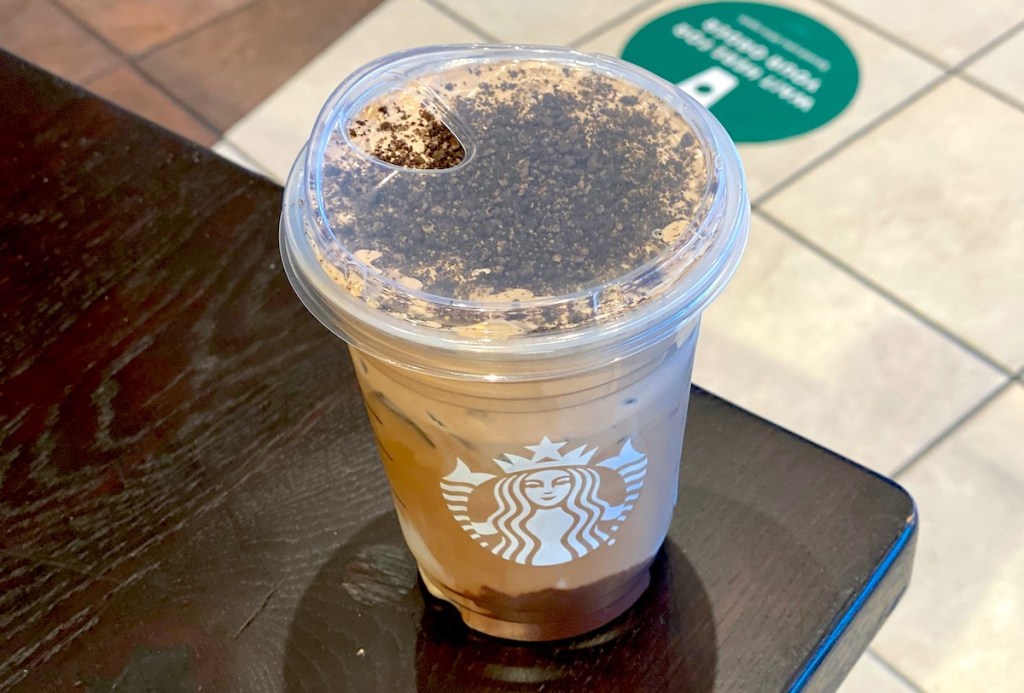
(407, 135)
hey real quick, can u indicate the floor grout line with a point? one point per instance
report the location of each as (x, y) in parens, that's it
(994, 43)
(100, 74)
(885, 33)
(462, 21)
(613, 22)
(951, 429)
(980, 84)
(217, 132)
(960, 70)
(882, 291)
(878, 120)
(895, 672)
(949, 72)
(854, 136)
(181, 103)
(188, 33)
(955, 67)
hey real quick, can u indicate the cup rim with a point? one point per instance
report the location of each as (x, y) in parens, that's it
(723, 227)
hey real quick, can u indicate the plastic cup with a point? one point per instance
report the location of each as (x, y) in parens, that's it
(523, 322)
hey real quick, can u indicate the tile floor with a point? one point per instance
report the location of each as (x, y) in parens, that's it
(193, 66)
(878, 310)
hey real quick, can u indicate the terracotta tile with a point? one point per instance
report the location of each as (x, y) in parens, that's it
(223, 71)
(127, 88)
(135, 26)
(273, 133)
(40, 32)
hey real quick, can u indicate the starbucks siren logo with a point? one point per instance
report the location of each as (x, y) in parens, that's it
(546, 509)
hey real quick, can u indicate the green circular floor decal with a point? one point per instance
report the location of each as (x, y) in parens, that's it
(766, 72)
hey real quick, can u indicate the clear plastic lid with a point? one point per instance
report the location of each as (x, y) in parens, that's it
(488, 211)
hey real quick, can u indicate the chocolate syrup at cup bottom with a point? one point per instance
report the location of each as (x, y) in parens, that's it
(424, 424)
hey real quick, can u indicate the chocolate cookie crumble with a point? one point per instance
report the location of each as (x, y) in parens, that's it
(419, 141)
(576, 178)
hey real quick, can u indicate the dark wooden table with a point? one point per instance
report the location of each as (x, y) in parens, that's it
(189, 493)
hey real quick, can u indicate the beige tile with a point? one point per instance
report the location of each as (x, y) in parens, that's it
(869, 676)
(930, 205)
(1003, 68)
(274, 132)
(130, 90)
(224, 70)
(959, 627)
(135, 26)
(235, 156)
(38, 31)
(888, 74)
(802, 344)
(949, 30)
(539, 21)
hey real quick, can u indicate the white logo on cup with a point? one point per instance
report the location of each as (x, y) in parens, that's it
(546, 509)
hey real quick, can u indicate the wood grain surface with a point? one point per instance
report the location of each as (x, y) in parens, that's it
(190, 497)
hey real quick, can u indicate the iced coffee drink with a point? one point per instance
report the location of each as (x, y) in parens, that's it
(517, 243)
